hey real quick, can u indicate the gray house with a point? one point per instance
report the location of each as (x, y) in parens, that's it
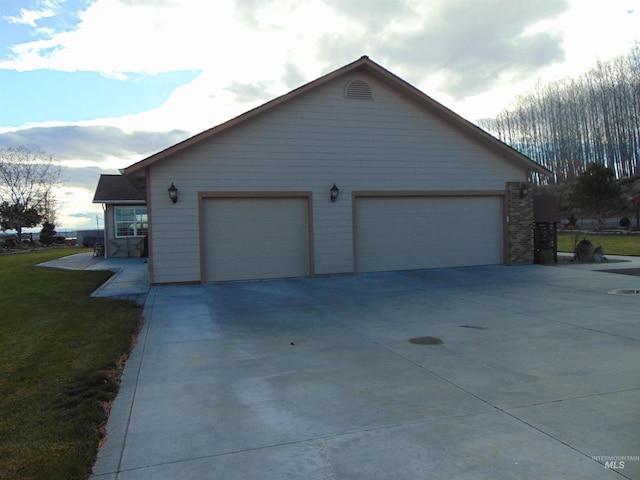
(357, 171)
(125, 216)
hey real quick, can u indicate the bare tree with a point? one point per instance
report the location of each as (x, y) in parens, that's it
(569, 124)
(27, 179)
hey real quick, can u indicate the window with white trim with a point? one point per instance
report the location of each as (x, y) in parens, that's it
(131, 221)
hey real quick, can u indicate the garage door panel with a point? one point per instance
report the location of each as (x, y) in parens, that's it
(253, 238)
(404, 233)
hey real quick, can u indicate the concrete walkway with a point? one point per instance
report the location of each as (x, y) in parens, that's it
(130, 280)
(537, 376)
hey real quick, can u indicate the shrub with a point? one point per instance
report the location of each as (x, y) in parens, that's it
(47, 234)
(573, 220)
(625, 222)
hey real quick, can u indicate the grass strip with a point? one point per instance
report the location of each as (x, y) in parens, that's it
(611, 244)
(61, 353)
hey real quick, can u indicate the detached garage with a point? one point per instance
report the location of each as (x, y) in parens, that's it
(357, 171)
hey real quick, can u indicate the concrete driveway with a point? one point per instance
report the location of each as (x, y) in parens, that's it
(537, 376)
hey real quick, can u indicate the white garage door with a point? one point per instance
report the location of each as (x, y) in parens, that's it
(405, 233)
(253, 238)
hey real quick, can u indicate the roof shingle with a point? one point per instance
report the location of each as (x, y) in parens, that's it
(117, 189)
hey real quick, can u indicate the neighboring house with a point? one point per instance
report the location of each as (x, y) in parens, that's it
(125, 216)
(418, 187)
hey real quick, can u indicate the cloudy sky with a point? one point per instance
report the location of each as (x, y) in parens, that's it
(100, 84)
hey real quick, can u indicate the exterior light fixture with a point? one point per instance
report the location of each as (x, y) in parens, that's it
(524, 190)
(334, 193)
(173, 193)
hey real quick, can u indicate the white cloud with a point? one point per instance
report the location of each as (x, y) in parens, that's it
(467, 55)
(116, 37)
(75, 208)
(247, 40)
(594, 30)
(591, 30)
(31, 17)
(230, 42)
(459, 52)
(472, 56)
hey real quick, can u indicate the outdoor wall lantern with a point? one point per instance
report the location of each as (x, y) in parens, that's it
(524, 190)
(173, 193)
(334, 193)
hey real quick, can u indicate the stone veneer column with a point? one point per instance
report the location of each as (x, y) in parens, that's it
(520, 226)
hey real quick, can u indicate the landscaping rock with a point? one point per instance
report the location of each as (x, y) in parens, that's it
(598, 255)
(584, 251)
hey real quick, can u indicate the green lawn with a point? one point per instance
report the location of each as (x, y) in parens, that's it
(60, 351)
(611, 244)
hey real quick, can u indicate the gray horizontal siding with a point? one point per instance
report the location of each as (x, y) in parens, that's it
(308, 144)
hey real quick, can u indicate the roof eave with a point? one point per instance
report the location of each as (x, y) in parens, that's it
(119, 202)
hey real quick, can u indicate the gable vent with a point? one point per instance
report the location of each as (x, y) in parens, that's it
(358, 90)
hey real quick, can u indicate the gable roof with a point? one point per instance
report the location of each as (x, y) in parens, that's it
(367, 65)
(117, 189)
